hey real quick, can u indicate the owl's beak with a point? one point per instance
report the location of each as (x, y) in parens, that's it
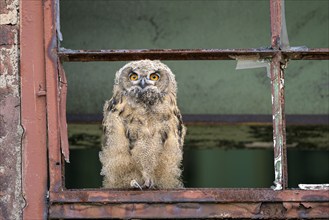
(142, 83)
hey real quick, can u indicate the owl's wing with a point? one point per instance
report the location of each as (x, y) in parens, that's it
(180, 127)
(115, 155)
(114, 135)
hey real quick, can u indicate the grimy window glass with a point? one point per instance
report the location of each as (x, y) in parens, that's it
(275, 54)
(164, 24)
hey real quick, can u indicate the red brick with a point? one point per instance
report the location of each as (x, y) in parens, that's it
(3, 7)
(7, 34)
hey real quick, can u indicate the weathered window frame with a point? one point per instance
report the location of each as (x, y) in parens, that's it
(184, 203)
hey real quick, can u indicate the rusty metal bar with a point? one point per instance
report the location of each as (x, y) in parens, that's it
(188, 196)
(275, 10)
(259, 210)
(53, 112)
(33, 106)
(166, 54)
(68, 55)
(279, 124)
(277, 82)
(306, 54)
(190, 203)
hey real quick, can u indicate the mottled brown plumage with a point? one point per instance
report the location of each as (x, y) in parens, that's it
(143, 130)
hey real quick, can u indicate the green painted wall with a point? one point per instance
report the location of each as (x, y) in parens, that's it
(213, 87)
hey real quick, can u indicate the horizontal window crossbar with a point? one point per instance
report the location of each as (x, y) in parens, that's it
(68, 55)
(188, 195)
(307, 54)
(165, 54)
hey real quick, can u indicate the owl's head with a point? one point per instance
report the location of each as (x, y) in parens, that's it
(146, 81)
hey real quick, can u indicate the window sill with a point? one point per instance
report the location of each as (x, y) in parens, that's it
(189, 203)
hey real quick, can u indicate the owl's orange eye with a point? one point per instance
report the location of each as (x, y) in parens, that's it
(154, 77)
(133, 76)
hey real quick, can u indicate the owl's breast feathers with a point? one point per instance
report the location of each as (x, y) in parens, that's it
(142, 121)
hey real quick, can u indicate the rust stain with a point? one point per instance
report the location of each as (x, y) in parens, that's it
(279, 124)
(275, 210)
(307, 54)
(275, 9)
(165, 54)
(189, 195)
(278, 102)
(68, 55)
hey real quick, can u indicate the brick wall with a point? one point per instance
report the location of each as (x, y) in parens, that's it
(11, 200)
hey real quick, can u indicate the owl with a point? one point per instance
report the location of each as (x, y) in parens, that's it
(143, 132)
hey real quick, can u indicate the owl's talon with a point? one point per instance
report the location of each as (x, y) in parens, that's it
(135, 184)
(149, 183)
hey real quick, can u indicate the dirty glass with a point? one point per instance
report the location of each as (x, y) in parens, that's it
(215, 155)
(164, 24)
(204, 87)
(307, 87)
(307, 23)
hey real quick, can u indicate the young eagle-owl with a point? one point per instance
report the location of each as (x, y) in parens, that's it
(143, 130)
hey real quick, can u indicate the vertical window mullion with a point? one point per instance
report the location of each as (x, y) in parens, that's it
(277, 86)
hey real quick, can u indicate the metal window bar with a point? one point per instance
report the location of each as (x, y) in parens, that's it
(68, 55)
(277, 83)
(185, 203)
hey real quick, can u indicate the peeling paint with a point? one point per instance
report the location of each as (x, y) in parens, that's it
(314, 186)
(278, 175)
(10, 18)
(282, 84)
(9, 66)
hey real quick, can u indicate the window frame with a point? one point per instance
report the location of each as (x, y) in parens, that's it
(182, 203)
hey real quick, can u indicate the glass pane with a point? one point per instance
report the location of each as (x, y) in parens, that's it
(307, 87)
(214, 155)
(307, 94)
(308, 167)
(84, 168)
(217, 155)
(145, 24)
(204, 87)
(308, 23)
(228, 156)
